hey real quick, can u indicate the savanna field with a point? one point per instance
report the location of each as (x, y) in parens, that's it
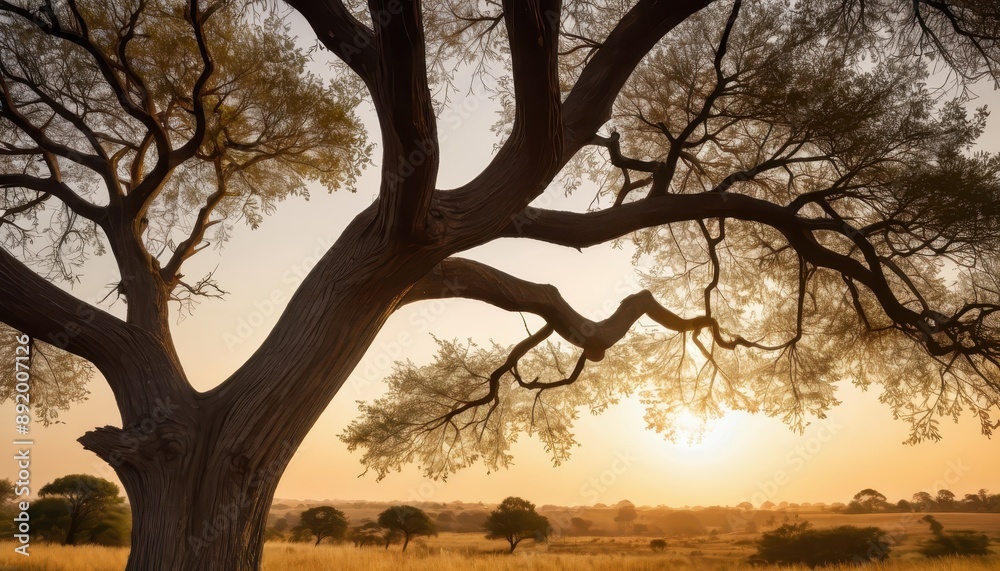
(722, 552)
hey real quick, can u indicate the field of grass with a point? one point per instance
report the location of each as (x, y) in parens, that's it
(304, 557)
(719, 552)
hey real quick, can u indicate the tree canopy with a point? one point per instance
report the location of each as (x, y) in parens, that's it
(515, 520)
(323, 522)
(186, 123)
(86, 502)
(407, 521)
(799, 207)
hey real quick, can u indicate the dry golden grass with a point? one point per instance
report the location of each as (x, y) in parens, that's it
(50, 557)
(451, 553)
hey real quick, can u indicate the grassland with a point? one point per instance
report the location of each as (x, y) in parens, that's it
(303, 557)
(462, 551)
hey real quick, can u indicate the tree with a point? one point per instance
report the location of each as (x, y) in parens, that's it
(406, 521)
(323, 522)
(515, 520)
(946, 500)
(368, 533)
(6, 491)
(924, 501)
(626, 515)
(658, 544)
(580, 526)
(790, 175)
(86, 500)
(871, 501)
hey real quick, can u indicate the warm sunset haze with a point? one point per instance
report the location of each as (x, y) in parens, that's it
(700, 260)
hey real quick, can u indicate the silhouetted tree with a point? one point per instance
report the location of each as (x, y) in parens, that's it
(407, 521)
(658, 544)
(515, 520)
(871, 501)
(580, 526)
(945, 500)
(626, 516)
(924, 502)
(86, 498)
(791, 175)
(323, 522)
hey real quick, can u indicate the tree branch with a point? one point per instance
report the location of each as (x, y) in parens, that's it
(406, 117)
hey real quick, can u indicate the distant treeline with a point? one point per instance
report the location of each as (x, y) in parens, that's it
(872, 501)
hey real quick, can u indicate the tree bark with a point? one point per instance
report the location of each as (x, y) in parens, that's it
(196, 502)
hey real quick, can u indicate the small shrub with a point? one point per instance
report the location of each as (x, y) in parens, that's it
(658, 545)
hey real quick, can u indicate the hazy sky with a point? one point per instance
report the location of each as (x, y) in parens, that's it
(742, 457)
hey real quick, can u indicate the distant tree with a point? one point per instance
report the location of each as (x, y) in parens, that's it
(904, 506)
(323, 522)
(49, 519)
(368, 533)
(924, 502)
(856, 507)
(871, 501)
(658, 544)
(946, 500)
(446, 517)
(626, 515)
(799, 544)
(745, 506)
(580, 526)
(515, 520)
(767, 506)
(281, 524)
(87, 499)
(473, 520)
(961, 542)
(640, 528)
(6, 491)
(408, 522)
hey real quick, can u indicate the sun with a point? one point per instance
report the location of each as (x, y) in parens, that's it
(691, 429)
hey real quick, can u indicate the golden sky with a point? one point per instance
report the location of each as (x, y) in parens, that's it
(742, 457)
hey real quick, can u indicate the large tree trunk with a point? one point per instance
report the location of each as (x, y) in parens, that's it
(197, 503)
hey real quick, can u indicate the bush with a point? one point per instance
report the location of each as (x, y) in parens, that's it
(958, 542)
(658, 545)
(797, 543)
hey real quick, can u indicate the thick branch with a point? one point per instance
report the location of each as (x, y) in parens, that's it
(458, 277)
(406, 117)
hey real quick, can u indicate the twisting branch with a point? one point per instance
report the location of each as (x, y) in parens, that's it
(458, 277)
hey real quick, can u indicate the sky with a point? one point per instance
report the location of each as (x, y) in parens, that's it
(741, 457)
